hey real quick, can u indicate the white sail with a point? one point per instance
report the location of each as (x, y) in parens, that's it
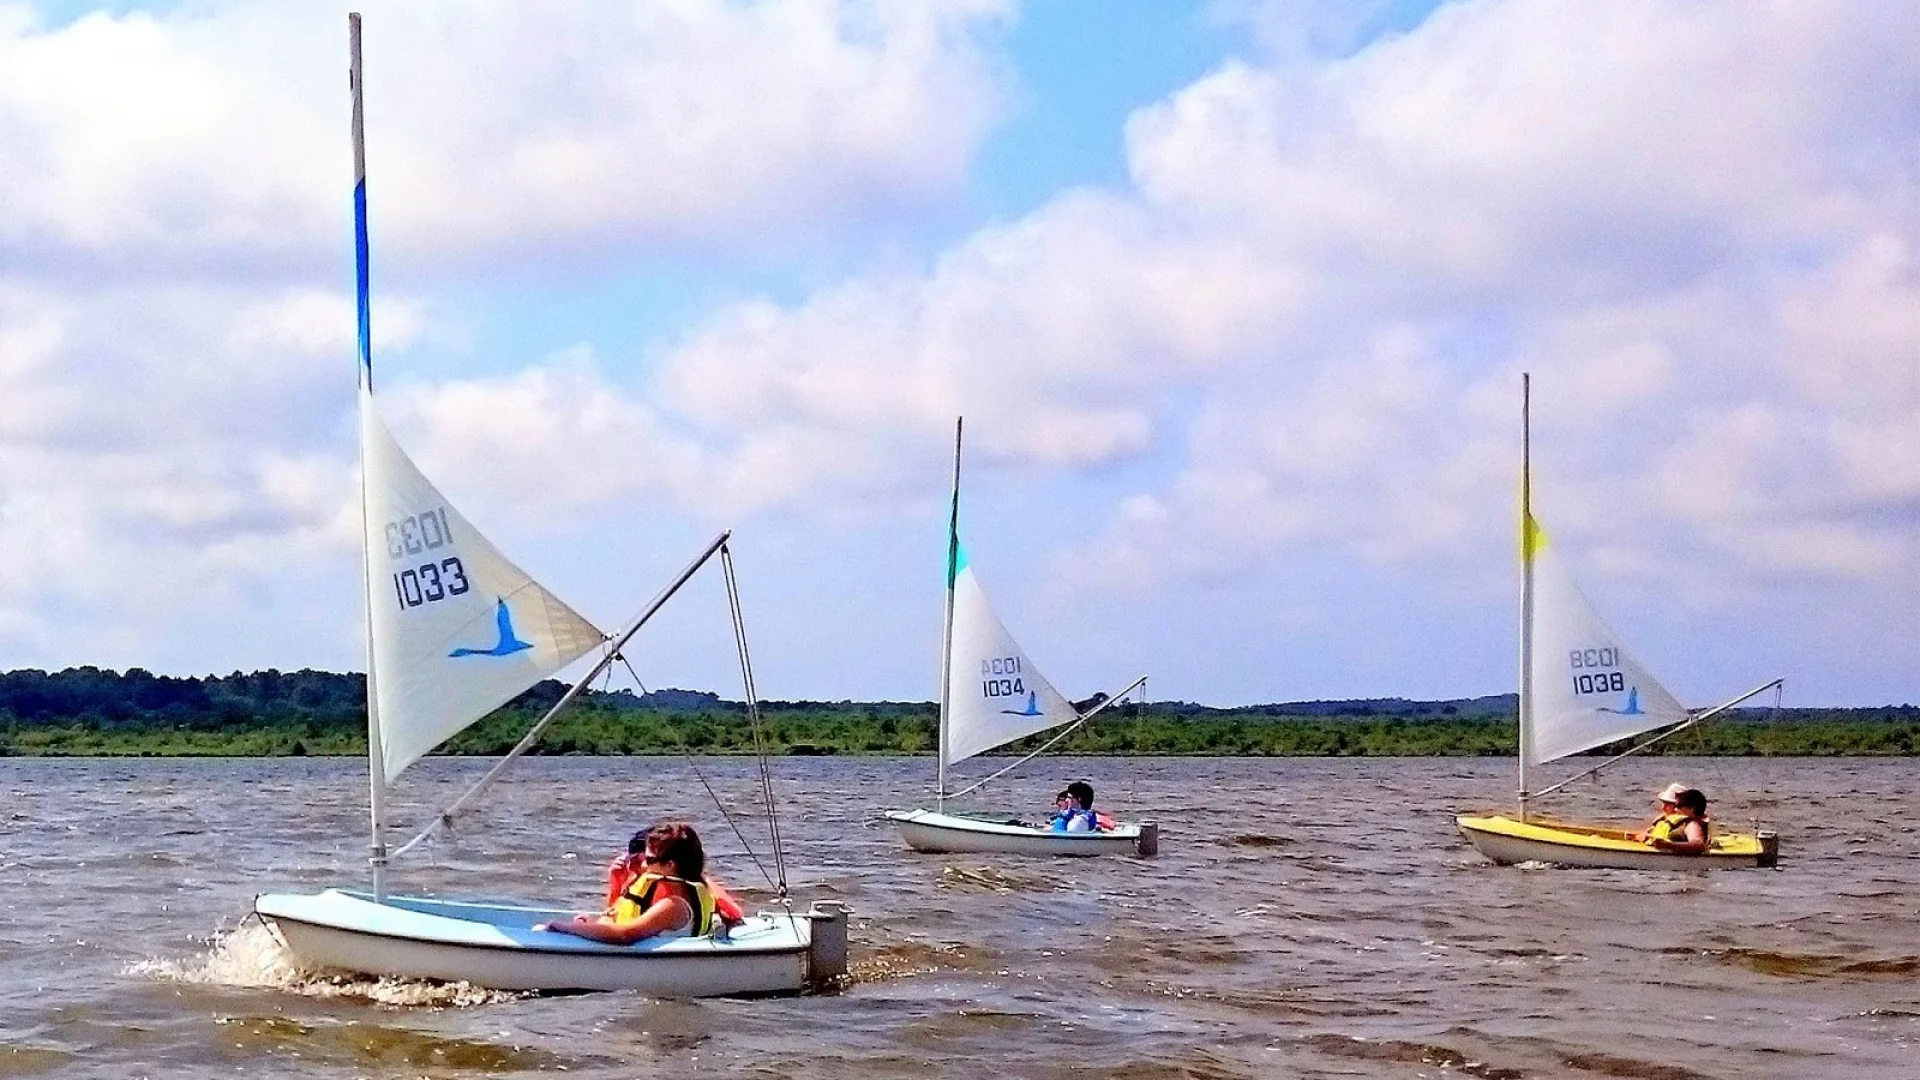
(1588, 690)
(457, 629)
(996, 694)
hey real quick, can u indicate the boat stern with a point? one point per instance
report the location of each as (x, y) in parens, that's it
(827, 945)
(1149, 843)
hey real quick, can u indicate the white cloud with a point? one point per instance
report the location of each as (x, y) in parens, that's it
(544, 441)
(162, 459)
(175, 385)
(213, 139)
(1296, 335)
(1319, 295)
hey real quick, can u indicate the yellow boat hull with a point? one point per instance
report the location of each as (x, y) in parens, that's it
(1508, 840)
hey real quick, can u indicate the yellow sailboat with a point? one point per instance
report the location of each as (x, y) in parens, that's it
(1579, 689)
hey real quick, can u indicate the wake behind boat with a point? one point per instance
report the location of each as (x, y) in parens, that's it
(1579, 689)
(455, 630)
(991, 694)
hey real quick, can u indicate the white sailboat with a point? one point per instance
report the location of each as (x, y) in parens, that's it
(454, 631)
(991, 694)
(1580, 688)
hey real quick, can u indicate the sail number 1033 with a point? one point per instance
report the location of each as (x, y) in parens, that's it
(417, 534)
(433, 579)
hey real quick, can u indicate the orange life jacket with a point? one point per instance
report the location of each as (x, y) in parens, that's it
(620, 878)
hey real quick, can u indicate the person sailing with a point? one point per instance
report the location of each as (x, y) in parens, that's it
(1665, 801)
(660, 889)
(1682, 826)
(1074, 809)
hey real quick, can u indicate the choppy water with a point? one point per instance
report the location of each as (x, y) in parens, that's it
(1313, 918)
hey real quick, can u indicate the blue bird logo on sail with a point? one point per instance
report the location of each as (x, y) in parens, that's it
(508, 643)
(1633, 704)
(1032, 709)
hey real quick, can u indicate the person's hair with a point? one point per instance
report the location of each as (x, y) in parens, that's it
(1693, 801)
(678, 844)
(638, 845)
(1083, 791)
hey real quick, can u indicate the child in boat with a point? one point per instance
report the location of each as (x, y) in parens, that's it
(1668, 807)
(1075, 809)
(623, 871)
(1683, 827)
(660, 889)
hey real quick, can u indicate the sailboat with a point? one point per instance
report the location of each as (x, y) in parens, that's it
(991, 694)
(1580, 688)
(455, 630)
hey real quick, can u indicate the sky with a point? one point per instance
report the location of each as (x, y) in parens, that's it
(1235, 299)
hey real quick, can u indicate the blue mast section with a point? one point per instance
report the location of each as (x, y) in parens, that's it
(361, 274)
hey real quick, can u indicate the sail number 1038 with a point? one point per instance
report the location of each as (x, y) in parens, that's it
(1589, 674)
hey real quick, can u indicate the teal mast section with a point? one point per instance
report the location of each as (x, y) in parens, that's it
(946, 637)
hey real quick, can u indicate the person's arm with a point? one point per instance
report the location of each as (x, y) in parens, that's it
(667, 913)
(620, 873)
(1646, 831)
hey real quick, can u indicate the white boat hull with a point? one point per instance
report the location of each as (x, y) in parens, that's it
(1596, 847)
(495, 946)
(926, 830)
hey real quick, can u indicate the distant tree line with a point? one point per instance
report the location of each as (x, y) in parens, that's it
(83, 711)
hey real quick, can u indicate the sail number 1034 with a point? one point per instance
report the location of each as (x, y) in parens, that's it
(1000, 677)
(434, 579)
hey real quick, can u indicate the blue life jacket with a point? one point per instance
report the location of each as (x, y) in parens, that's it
(1063, 819)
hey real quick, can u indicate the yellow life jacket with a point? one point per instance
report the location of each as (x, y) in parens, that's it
(641, 893)
(1673, 827)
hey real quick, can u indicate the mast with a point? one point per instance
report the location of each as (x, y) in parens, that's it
(946, 634)
(1526, 584)
(376, 768)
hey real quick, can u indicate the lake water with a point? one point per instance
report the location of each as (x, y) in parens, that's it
(1306, 917)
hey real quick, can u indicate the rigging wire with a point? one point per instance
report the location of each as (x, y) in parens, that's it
(1769, 799)
(715, 796)
(753, 719)
(459, 805)
(1141, 720)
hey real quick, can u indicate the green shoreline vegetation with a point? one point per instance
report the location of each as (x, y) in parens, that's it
(86, 712)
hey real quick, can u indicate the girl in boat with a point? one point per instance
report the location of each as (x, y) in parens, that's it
(1687, 831)
(1682, 827)
(660, 889)
(1666, 801)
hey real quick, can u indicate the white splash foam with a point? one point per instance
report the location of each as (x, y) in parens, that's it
(249, 956)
